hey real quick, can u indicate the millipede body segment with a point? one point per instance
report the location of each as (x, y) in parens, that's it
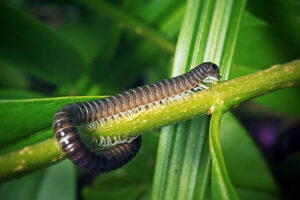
(117, 151)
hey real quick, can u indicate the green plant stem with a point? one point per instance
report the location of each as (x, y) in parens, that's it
(229, 93)
(29, 159)
(221, 184)
(130, 23)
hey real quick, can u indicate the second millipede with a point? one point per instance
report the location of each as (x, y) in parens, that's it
(120, 150)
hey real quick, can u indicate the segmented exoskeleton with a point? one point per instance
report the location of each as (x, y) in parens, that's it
(119, 150)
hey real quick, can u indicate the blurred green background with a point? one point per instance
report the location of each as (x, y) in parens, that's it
(79, 48)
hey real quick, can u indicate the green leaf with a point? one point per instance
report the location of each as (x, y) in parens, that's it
(23, 117)
(87, 34)
(25, 188)
(257, 195)
(208, 33)
(176, 172)
(127, 192)
(58, 182)
(281, 13)
(276, 49)
(157, 9)
(104, 68)
(11, 77)
(33, 47)
(130, 23)
(284, 101)
(170, 25)
(19, 94)
(240, 153)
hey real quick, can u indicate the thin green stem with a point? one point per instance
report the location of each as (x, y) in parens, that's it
(220, 184)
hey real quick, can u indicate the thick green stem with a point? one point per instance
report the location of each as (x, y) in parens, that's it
(229, 93)
(29, 158)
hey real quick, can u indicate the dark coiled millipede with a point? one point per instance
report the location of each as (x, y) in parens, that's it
(69, 117)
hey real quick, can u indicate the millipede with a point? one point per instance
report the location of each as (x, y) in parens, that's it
(114, 152)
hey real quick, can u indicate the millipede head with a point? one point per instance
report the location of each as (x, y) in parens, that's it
(210, 68)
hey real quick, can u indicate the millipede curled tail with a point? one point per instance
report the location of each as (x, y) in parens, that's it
(67, 135)
(120, 150)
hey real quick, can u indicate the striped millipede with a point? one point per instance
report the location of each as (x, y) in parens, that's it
(117, 151)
